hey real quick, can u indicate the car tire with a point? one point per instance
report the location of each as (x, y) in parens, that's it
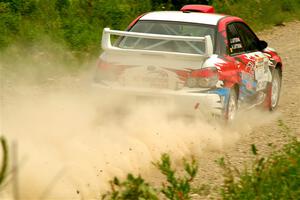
(273, 91)
(231, 106)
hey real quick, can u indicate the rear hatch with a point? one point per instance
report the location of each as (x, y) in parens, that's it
(161, 62)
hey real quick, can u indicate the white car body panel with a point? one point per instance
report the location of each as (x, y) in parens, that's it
(186, 100)
(178, 16)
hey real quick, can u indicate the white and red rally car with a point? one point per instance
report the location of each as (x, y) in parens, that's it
(202, 60)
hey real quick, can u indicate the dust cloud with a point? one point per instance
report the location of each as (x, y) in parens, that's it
(72, 139)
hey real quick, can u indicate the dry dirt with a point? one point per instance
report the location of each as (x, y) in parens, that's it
(70, 142)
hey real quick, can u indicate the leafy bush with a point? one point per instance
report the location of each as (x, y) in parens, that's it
(177, 188)
(273, 177)
(78, 24)
(276, 176)
(261, 13)
(3, 169)
(135, 188)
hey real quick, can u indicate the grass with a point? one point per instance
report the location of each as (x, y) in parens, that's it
(174, 188)
(274, 177)
(4, 165)
(77, 25)
(261, 14)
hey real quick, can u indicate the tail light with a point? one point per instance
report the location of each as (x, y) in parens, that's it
(105, 71)
(102, 65)
(205, 78)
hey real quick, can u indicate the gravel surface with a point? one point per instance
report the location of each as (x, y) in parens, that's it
(286, 40)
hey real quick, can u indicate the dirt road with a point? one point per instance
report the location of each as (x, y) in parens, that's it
(286, 40)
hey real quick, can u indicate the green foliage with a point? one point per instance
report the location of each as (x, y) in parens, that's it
(273, 177)
(135, 188)
(9, 24)
(78, 24)
(260, 13)
(177, 188)
(177, 4)
(4, 165)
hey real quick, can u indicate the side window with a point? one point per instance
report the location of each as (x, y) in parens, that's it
(235, 44)
(249, 39)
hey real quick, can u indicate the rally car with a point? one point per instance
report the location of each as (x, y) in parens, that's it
(199, 59)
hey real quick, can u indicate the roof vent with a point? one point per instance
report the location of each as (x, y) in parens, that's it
(198, 8)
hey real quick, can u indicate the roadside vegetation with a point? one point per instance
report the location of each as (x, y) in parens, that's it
(4, 162)
(261, 14)
(76, 25)
(174, 187)
(276, 176)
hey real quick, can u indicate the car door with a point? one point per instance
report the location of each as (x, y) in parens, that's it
(251, 62)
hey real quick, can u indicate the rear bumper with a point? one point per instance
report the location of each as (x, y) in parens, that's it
(186, 100)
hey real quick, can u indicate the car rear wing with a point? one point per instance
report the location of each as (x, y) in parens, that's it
(107, 46)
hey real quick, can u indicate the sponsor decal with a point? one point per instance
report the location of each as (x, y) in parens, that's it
(250, 67)
(235, 40)
(236, 46)
(248, 80)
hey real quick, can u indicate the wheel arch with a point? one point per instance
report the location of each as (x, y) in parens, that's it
(279, 68)
(236, 87)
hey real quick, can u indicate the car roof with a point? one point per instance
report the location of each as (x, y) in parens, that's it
(179, 16)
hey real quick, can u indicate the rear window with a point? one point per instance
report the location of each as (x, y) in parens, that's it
(168, 28)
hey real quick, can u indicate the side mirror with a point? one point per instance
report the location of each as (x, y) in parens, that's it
(262, 45)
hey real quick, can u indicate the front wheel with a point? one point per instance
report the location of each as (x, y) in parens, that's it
(274, 90)
(231, 106)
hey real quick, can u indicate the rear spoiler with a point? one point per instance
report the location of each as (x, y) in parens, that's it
(106, 42)
(198, 8)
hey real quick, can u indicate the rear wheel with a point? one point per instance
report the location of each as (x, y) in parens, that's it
(274, 90)
(231, 106)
